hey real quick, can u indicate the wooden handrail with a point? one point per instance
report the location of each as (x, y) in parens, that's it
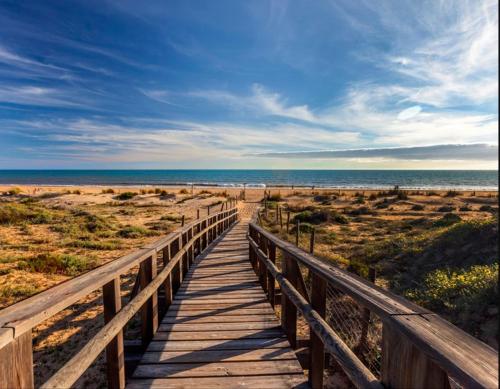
(75, 367)
(26, 314)
(411, 333)
(17, 320)
(351, 364)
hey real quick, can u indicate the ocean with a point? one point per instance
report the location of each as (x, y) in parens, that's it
(410, 179)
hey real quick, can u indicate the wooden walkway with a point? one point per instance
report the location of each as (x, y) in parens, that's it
(220, 331)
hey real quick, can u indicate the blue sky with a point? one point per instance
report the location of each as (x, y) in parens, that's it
(249, 84)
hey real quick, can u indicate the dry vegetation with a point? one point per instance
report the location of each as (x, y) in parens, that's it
(49, 235)
(438, 249)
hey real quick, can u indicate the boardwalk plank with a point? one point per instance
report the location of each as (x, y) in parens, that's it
(220, 331)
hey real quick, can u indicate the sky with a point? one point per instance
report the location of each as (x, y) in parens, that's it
(249, 84)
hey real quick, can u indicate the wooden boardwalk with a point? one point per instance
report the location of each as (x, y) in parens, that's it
(220, 331)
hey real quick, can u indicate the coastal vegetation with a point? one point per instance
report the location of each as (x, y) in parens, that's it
(50, 236)
(437, 249)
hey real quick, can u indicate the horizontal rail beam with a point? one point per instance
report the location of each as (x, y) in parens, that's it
(76, 366)
(26, 314)
(468, 360)
(352, 366)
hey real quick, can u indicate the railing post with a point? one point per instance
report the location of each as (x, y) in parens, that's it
(115, 359)
(185, 256)
(262, 267)
(288, 309)
(177, 270)
(191, 248)
(205, 234)
(271, 248)
(167, 285)
(16, 363)
(149, 312)
(405, 366)
(317, 348)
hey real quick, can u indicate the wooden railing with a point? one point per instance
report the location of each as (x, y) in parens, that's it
(418, 348)
(178, 251)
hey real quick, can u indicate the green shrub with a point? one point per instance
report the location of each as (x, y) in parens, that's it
(95, 245)
(108, 191)
(21, 213)
(359, 200)
(446, 208)
(447, 220)
(383, 203)
(51, 195)
(486, 208)
(14, 290)
(135, 232)
(360, 211)
(183, 191)
(465, 208)
(463, 296)
(304, 227)
(166, 195)
(327, 238)
(171, 218)
(275, 197)
(323, 198)
(126, 196)
(320, 216)
(14, 191)
(417, 207)
(53, 263)
(451, 193)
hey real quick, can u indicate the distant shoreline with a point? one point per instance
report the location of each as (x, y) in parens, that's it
(287, 188)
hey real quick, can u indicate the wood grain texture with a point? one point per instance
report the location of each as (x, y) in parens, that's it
(16, 363)
(75, 367)
(115, 354)
(220, 326)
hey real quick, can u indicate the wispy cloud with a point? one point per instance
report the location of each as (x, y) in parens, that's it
(484, 152)
(260, 101)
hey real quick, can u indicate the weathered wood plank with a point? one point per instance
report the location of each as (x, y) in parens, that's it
(217, 369)
(220, 325)
(257, 382)
(115, 358)
(219, 344)
(264, 318)
(200, 327)
(16, 363)
(247, 334)
(210, 356)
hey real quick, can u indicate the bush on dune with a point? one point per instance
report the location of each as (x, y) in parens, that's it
(53, 263)
(135, 232)
(469, 296)
(126, 196)
(21, 213)
(320, 216)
